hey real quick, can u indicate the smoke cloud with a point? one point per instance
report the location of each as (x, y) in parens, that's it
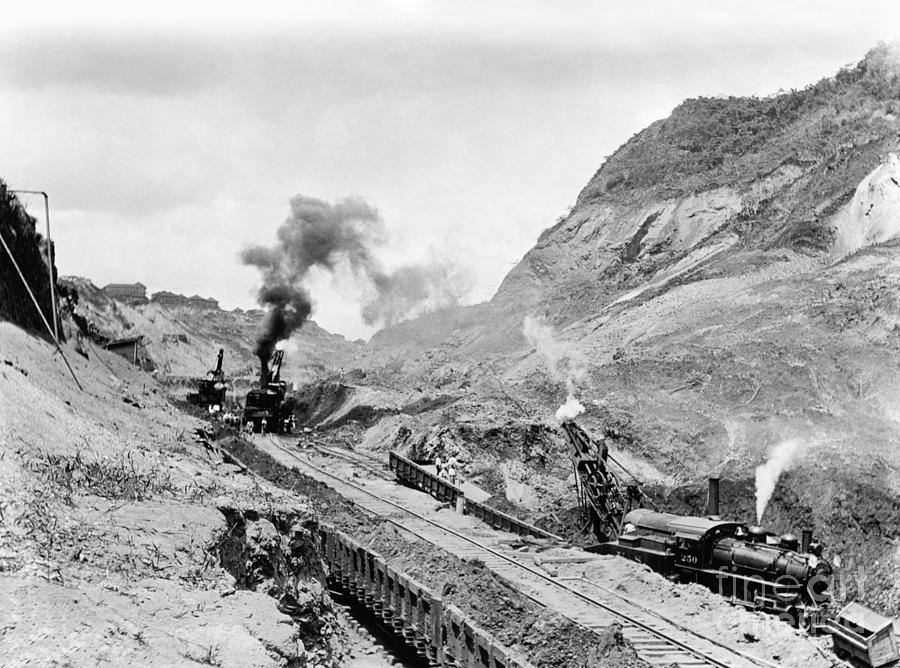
(412, 290)
(328, 236)
(565, 363)
(782, 458)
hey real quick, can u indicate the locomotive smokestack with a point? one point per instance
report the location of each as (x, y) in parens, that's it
(263, 373)
(712, 501)
(805, 540)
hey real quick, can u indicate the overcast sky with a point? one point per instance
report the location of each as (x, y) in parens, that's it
(169, 140)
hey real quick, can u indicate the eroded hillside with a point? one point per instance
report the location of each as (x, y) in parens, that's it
(726, 281)
(181, 343)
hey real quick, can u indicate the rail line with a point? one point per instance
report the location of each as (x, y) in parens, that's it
(655, 639)
(371, 464)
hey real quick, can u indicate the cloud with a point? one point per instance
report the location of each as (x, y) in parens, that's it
(179, 124)
(111, 65)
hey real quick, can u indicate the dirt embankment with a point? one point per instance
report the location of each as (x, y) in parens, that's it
(110, 523)
(275, 551)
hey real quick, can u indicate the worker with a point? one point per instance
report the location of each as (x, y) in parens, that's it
(438, 466)
(451, 472)
(263, 424)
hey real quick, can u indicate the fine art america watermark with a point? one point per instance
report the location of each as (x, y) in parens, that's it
(807, 603)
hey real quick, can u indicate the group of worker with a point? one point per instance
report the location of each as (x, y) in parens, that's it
(449, 469)
(287, 426)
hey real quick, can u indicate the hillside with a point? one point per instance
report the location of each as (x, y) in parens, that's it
(181, 343)
(112, 518)
(727, 280)
(718, 176)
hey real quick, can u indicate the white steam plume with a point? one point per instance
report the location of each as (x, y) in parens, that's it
(564, 363)
(782, 458)
(569, 410)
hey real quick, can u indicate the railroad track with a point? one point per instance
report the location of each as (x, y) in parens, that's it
(656, 639)
(365, 461)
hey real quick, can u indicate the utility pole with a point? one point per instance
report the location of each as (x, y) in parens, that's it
(49, 254)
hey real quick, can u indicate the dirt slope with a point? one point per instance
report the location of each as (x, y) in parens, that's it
(108, 511)
(182, 343)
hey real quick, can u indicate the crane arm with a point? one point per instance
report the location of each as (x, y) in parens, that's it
(605, 497)
(276, 365)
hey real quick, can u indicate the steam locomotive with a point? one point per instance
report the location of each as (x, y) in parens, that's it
(750, 567)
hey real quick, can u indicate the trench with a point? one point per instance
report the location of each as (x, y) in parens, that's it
(277, 552)
(502, 614)
(394, 651)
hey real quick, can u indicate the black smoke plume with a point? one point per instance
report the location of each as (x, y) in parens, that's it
(321, 234)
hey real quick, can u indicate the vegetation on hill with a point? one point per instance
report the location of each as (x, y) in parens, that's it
(711, 141)
(29, 249)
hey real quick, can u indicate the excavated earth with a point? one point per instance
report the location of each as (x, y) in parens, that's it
(850, 501)
(128, 536)
(113, 517)
(545, 638)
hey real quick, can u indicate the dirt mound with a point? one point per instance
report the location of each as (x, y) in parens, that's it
(329, 403)
(332, 404)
